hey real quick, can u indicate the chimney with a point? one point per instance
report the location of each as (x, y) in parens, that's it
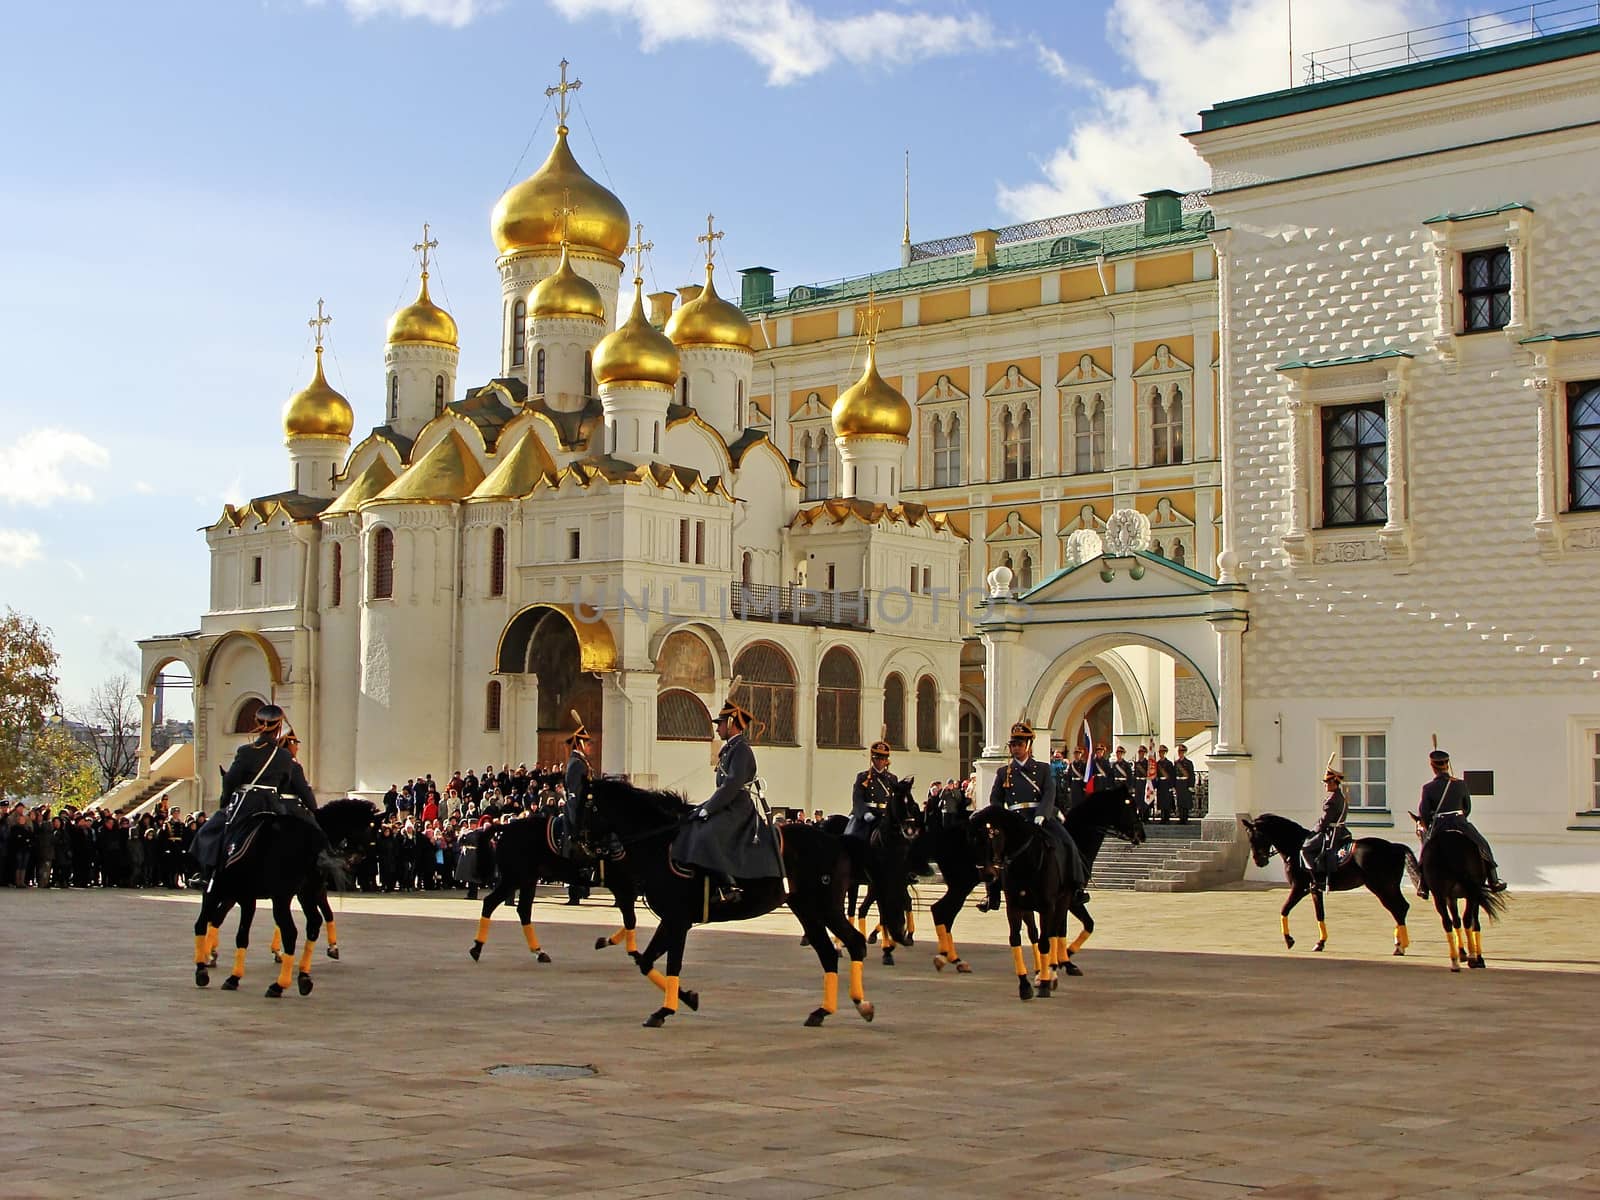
(983, 244)
(688, 292)
(660, 308)
(1163, 212)
(757, 287)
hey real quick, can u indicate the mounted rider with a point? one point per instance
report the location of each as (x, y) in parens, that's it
(265, 779)
(576, 779)
(726, 837)
(1025, 782)
(1323, 848)
(869, 798)
(1446, 804)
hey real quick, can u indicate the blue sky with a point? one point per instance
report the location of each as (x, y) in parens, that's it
(181, 181)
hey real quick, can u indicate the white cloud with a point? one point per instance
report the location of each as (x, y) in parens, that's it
(1056, 67)
(454, 13)
(18, 547)
(789, 38)
(1184, 55)
(33, 469)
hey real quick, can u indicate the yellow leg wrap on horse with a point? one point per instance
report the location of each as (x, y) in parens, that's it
(1016, 960)
(1476, 937)
(657, 978)
(1038, 961)
(531, 938)
(1322, 931)
(333, 934)
(830, 992)
(238, 962)
(483, 930)
(277, 939)
(1401, 937)
(911, 922)
(304, 965)
(617, 937)
(1058, 951)
(1450, 936)
(286, 970)
(857, 992)
(200, 954)
(888, 939)
(212, 934)
(1077, 943)
(670, 1000)
(942, 936)
(633, 942)
(1283, 924)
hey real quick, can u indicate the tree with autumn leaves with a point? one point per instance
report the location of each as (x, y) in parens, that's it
(39, 757)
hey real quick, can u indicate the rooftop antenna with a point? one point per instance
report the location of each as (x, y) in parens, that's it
(905, 244)
(1290, 4)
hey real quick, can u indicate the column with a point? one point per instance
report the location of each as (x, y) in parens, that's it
(202, 742)
(1227, 557)
(872, 714)
(1393, 533)
(1544, 395)
(1049, 461)
(1203, 433)
(1123, 404)
(1230, 627)
(147, 707)
(1001, 707)
(975, 425)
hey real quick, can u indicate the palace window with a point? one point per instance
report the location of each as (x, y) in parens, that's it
(838, 700)
(383, 563)
(337, 573)
(970, 737)
(588, 372)
(894, 711)
(519, 333)
(682, 717)
(685, 662)
(574, 544)
(700, 542)
(927, 715)
(538, 371)
(1088, 435)
(1166, 426)
(1486, 289)
(738, 404)
(245, 720)
(497, 562)
(438, 394)
(1355, 465)
(255, 569)
(684, 382)
(1364, 761)
(815, 460)
(1025, 572)
(394, 395)
(491, 707)
(946, 450)
(1016, 443)
(683, 539)
(1583, 445)
(768, 690)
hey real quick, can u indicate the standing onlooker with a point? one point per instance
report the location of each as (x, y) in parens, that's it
(44, 849)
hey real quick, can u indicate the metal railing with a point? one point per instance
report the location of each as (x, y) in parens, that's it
(800, 606)
(1096, 218)
(1519, 24)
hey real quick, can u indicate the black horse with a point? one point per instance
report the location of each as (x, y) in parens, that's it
(1008, 846)
(1454, 872)
(817, 865)
(885, 863)
(283, 865)
(1374, 863)
(525, 853)
(945, 845)
(1105, 810)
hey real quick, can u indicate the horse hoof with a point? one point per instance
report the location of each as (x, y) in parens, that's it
(963, 967)
(601, 943)
(1288, 941)
(690, 997)
(658, 1018)
(872, 938)
(939, 962)
(888, 958)
(333, 952)
(541, 956)
(477, 949)
(1477, 964)
(864, 1007)
(231, 984)
(305, 985)
(1024, 990)
(1317, 949)
(212, 961)
(637, 956)
(277, 957)
(273, 991)
(202, 978)
(1455, 968)
(1071, 968)
(817, 1017)
(1399, 951)
(910, 941)
(1042, 990)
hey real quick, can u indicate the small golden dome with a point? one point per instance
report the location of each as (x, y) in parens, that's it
(566, 294)
(527, 216)
(316, 410)
(636, 352)
(423, 321)
(709, 320)
(870, 407)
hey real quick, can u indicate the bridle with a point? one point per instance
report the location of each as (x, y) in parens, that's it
(1000, 862)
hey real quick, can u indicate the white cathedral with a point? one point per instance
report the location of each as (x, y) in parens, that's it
(603, 528)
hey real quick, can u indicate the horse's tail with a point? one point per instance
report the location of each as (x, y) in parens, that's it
(1413, 868)
(1492, 903)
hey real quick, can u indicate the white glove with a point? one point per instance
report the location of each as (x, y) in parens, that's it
(1038, 818)
(700, 814)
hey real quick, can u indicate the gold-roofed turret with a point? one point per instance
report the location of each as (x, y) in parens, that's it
(370, 482)
(521, 470)
(447, 472)
(708, 319)
(527, 215)
(317, 410)
(422, 322)
(871, 407)
(637, 352)
(567, 294)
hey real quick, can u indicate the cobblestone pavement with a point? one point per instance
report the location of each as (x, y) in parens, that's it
(1196, 1058)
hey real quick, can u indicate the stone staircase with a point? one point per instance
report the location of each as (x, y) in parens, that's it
(1175, 858)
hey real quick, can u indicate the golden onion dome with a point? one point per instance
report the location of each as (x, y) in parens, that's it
(566, 294)
(316, 410)
(870, 407)
(709, 320)
(636, 352)
(423, 321)
(527, 216)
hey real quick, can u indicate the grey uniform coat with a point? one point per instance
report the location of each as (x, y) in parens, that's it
(730, 837)
(868, 799)
(1032, 783)
(576, 784)
(1446, 804)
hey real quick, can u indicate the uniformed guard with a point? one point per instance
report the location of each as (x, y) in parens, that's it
(576, 779)
(264, 777)
(1446, 804)
(1027, 782)
(1076, 774)
(1121, 772)
(1183, 766)
(869, 798)
(726, 836)
(1321, 849)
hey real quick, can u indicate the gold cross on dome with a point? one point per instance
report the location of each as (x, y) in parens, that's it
(560, 91)
(425, 245)
(709, 237)
(639, 249)
(869, 317)
(317, 322)
(565, 213)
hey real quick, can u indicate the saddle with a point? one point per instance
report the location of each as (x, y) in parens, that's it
(250, 814)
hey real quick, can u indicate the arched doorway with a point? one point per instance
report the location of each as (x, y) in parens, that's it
(566, 657)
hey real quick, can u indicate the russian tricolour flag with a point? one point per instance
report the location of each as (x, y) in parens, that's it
(1088, 754)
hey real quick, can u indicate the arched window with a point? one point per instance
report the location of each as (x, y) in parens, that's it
(438, 394)
(336, 583)
(738, 404)
(491, 707)
(588, 372)
(1025, 572)
(946, 450)
(519, 333)
(244, 720)
(927, 714)
(1088, 435)
(1166, 427)
(1175, 419)
(682, 717)
(970, 739)
(497, 562)
(815, 463)
(1016, 443)
(838, 700)
(538, 371)
(383, 563)
(394, 395)
(768, 690)
(1178, 554)
(1156, 549)
(685, 662)
(894, 711)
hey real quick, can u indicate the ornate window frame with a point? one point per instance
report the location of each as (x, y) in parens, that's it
(1163, 372)
(942, 401)
(1090, 384)
(1314, 384)
(1455, 234)
(1015, 537)
(815, 418)
(1171, 528)
(1015, 393)
(1560, 359)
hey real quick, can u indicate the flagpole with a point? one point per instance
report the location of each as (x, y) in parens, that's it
(1290, 4)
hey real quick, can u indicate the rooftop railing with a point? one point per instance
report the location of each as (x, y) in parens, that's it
(1519, 24)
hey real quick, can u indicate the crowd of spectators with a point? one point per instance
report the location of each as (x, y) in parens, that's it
(92, 848)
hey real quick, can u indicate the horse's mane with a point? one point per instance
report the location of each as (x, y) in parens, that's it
(1273, 825)
(346, 813)
(1090, 811)
(669, 805)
